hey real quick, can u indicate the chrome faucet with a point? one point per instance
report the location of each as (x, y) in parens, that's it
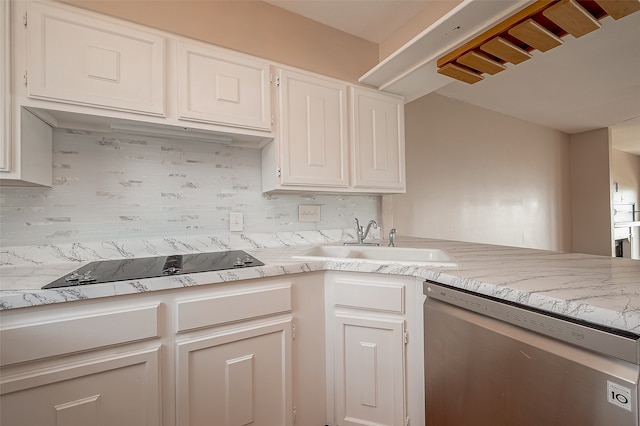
(361, 233)
(392, 237)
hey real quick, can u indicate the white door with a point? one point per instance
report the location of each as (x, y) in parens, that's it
(236, 378)
(313, 131)
(370, 371)
(218, 87)
(378, 140)
(78, 58)
(121, 390)
(5, 99)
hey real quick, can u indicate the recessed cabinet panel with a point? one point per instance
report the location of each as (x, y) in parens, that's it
(370, 386)
(76, 58)
(378, 140)
(218, 87)
(237, 378)
(313, 131)
(121, 390)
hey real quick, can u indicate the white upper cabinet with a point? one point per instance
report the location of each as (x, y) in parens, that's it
(326, 142)
(216, 86)
(77, 69)
(80, 59)
(377, 135)
(312, 134)
(5, 99)
(25, 140)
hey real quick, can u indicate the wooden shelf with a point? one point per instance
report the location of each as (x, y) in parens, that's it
(481, 62)
(535, 35)
(571, 17)
(460, 73)
(618, 9)
(505, 50)
(539, 26)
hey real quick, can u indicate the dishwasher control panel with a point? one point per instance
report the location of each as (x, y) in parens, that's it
(620, 345)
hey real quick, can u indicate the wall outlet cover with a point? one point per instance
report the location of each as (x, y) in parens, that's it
(309, 213)
(236, 222)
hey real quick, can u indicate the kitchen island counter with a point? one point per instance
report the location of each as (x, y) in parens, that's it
(597, 289)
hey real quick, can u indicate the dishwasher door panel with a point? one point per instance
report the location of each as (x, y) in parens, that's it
(480, 371)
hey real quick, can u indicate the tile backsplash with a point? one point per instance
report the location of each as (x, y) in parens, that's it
(117, 186)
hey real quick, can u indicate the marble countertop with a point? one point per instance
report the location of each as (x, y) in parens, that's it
(597, 289)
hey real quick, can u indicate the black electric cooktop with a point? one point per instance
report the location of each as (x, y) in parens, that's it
(104, 271)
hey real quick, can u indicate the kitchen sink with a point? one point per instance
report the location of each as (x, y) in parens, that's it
(375, 254)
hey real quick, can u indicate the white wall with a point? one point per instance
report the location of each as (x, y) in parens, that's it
(591, 192)
(477, 175)
(114, 187)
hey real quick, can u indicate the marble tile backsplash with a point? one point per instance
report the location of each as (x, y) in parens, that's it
(122, 187)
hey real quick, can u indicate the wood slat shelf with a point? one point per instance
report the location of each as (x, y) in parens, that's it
(618, 9)
(572, 17)
(540, 26)
(481, 62)
(535, 35)
(505, 50)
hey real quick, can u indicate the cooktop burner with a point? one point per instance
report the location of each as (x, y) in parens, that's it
(104, 271)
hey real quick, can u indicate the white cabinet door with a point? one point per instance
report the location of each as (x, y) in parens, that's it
(122, 389)
(234, 378)
(77, 58)
(5, 99)
(377, 127)
(29, 151)
(313, 135)
(370, 385)
(218, 87)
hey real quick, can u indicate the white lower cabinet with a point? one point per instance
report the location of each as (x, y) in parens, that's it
(374, 349)
(223, 355)
(240, 377)
(370, 370)
(81, 365)
(122, 389)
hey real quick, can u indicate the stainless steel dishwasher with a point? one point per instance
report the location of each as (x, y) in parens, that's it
(490, 362)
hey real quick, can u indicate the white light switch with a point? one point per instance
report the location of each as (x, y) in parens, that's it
(309, 213)
(236, 222)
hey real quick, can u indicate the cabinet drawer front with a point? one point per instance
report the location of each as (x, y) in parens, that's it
(217, 87)
(35, 341)
(76, 58)
(227, 308)
(373, 297)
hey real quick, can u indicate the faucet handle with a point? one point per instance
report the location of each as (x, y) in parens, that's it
(392, 236)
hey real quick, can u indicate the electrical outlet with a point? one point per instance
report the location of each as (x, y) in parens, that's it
(309, 213)
(236, 222)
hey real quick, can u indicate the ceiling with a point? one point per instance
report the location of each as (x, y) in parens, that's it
(372, 20)
(585, 84)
